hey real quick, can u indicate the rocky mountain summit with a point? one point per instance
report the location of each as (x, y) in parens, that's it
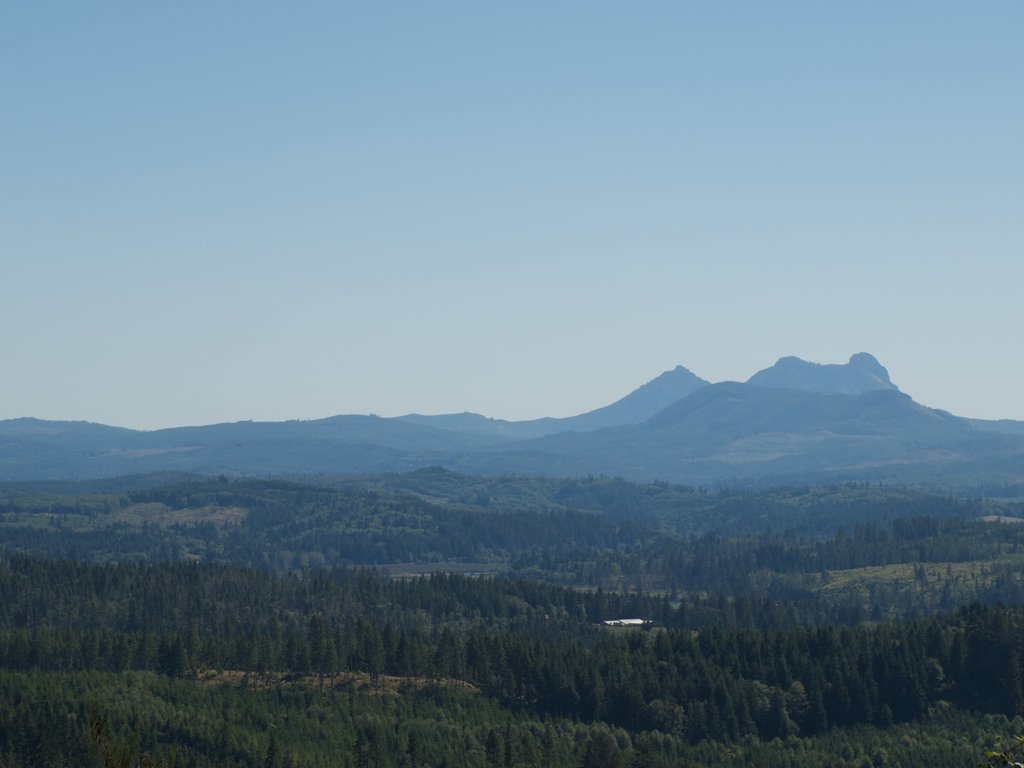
(863, 373)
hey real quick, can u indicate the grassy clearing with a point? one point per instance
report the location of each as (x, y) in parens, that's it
(909, 575)
(361, 682)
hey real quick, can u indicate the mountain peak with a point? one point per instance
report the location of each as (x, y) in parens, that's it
(643, 402)
(866, 360)
(862, 373)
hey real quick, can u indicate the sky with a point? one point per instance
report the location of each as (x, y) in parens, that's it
(217, 211)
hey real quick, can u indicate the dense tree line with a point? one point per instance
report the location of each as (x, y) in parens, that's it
(715, 685)
(530, 647)
(83, 719)
(713, 563)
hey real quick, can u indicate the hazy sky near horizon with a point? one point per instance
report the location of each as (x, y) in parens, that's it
(223, 211)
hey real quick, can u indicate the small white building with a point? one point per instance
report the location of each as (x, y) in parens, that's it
(624, 622)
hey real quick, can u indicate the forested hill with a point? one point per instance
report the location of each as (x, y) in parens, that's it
(428, 515)
(840, 554)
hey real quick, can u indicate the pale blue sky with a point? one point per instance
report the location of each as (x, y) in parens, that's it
(212, 211)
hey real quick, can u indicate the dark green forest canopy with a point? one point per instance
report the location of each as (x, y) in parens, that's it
(260, 622)
(168, 721)
(533, 652)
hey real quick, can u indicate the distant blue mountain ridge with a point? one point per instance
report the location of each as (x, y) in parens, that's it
(795, 421)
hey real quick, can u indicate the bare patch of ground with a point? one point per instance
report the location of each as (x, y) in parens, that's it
(345, 681)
